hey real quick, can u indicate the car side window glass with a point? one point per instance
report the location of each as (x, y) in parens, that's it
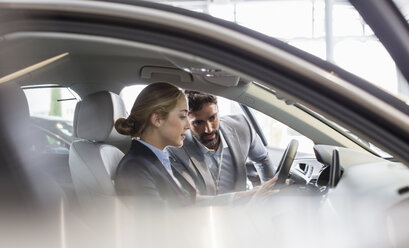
(279, 135)
(51, 114)
(129, 94)
(228, 107)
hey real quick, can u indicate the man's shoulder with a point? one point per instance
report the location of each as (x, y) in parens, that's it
(236, 118)
(235, 121)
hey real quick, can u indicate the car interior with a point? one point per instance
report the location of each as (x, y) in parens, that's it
(140, 64)
(339, 169)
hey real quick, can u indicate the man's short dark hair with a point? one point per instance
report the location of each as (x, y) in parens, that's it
(198, 99)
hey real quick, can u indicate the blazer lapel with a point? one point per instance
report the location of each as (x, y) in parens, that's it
(187, 196)
(196, 158)
(182, 173)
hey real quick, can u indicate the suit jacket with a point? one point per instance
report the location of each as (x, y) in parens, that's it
(188, 161)
(141, 179)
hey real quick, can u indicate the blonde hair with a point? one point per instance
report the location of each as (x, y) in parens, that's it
(158, 98)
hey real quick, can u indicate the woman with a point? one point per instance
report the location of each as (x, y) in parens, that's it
(158, 119)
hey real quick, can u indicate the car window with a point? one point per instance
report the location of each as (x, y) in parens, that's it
(51, 113)
(279, 135)
(129, 94)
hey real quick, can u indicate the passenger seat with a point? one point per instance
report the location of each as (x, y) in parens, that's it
(93, 160)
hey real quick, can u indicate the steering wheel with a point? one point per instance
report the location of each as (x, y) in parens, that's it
(283, 169)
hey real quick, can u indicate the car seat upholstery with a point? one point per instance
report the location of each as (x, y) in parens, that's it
(24, 179)
(93, 160)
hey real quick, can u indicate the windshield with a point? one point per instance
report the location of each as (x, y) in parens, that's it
(362, 142)
(358, 140)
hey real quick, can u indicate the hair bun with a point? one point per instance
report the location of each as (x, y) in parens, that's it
(125, 126)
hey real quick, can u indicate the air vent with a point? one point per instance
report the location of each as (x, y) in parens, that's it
(403, 190)
(303, 167)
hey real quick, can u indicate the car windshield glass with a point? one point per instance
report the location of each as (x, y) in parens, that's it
(331, 30)
(357, 139)
(368, 145)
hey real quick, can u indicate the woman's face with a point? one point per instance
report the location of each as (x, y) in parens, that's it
(173, 129)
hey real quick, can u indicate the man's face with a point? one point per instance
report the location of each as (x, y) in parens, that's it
(204, 124)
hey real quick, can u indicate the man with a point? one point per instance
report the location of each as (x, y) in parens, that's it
(213, 156)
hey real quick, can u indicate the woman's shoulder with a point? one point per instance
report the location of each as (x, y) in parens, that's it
(134, 160)
(139, 161)
(133, 174)
(133, 169)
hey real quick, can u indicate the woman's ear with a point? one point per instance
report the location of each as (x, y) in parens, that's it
(155, 120)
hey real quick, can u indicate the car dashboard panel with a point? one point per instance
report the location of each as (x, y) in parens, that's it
(365, 180)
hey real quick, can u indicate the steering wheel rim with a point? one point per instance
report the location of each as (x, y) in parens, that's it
(283, 169)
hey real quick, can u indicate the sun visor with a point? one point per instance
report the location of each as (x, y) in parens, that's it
(155, 72)
(224, 80)
(215, 76)
(209, 71)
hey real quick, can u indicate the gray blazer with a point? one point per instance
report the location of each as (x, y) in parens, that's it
(189, 162)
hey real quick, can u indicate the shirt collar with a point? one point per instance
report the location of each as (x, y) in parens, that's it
(161, 155)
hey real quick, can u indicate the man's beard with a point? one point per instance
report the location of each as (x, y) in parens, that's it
(210, 143)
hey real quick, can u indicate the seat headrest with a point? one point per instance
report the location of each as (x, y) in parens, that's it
(95, 116)
(14, 115)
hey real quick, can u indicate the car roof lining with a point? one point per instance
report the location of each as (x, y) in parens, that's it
(96, 54)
